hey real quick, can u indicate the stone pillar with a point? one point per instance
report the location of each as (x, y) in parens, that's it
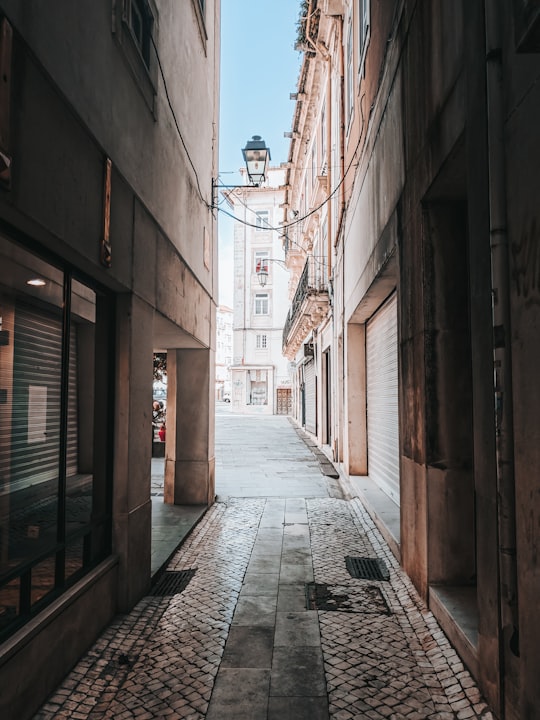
(132, 453)
(189, 450)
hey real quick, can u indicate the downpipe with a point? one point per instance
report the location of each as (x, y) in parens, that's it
(502, 347)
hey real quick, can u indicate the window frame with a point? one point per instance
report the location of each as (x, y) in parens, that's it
(143, 38)
(262, 301)
(93, 536)
(349, 81)
(261, 261)
(323, 138)
(262, 220)
(144, 71)
(314, 165)
(199, 7)
(364, 33)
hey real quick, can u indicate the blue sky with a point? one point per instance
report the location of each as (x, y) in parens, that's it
(259, 69)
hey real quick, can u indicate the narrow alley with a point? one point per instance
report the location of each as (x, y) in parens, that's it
(259, 613)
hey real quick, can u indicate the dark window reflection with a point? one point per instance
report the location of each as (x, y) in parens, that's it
(54, 418)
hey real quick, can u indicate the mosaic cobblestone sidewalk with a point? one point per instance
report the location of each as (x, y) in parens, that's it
(384, 655)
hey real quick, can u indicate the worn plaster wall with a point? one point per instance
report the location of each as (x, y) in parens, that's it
(522, 94)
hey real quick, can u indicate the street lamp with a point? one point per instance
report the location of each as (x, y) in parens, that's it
(262, 269)
(256, 156)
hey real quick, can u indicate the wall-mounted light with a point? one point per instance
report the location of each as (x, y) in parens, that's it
(36, 282)
(256, 156)
(262, 269)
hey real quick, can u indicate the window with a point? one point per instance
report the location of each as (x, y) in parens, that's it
(261, 304)
(323, 139)
(363, 33)
(313, 163)
(257, 387)
(135, 29)
(261, 261)
(55, 380)
(200, 12)
(349, 75)
(261, 220)
(324, 250)
(141, 23)
(262, 342)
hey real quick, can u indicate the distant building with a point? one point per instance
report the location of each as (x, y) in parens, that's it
(259, 374)
(224, 351)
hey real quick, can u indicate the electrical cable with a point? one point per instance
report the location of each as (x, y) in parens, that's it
(177, 125)
(296, 221)
(269, 227)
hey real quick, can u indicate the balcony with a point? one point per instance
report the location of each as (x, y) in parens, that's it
(309, 305)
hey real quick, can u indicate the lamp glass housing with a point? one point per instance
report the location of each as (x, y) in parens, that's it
(256, 156)
(262, 275)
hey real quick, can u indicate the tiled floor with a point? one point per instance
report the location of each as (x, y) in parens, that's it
(243, 640)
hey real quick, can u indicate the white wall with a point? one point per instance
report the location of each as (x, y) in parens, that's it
(251, 330)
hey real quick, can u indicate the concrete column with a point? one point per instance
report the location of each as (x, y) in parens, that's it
(189, 450)
(355, 412)
(132, 466)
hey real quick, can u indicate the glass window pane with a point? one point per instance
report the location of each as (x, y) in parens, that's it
(31, 299)
(9, 603)
(42, 579)
(80, 409)
(55, 417)
(74, 557)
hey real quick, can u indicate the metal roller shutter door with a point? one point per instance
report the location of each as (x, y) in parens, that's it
(38, 352)
(382, 399)
(311, 397)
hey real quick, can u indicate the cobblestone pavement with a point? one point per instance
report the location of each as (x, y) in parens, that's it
(241, 641)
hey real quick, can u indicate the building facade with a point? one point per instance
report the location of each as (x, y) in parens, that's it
(412, 192)
(259, 374)
(107, 255)
(224, 352)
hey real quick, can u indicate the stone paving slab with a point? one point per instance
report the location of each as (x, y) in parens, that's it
(190, 655)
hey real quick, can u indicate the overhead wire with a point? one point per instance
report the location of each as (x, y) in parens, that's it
(267, 225)
(292, 223)
(314, 210)
(177, 125)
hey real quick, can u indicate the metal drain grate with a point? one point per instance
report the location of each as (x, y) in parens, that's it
(173, 582)
(367, 568)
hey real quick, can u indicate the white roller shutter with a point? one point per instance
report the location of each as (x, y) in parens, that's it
(310, 396)
(382, 398)
(36, 398)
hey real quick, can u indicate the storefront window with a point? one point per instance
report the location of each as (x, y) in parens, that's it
(54, 492)
(256, 387)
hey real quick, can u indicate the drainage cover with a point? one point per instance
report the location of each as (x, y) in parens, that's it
(366, 599)
(173, 582)
(367, 568)
(320, 596)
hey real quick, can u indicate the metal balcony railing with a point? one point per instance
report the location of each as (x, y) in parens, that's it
(313, 281)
